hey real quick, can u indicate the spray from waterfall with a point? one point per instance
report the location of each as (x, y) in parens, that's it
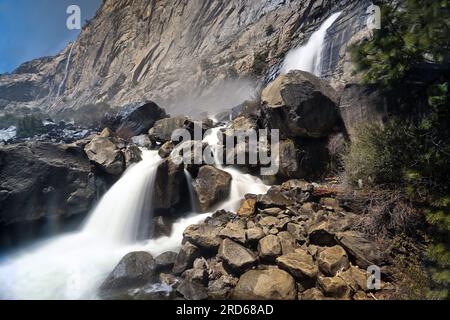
(66, 70)
(309, 56)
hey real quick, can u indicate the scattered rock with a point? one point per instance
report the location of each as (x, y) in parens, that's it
(270, 284)
(105, 153)
(221, 288)
(163, 129)
(274, 212)
(255, 234)
(334, 287)
(185, 258)
(236, 256)
(300, 265)
(165, 261)
(320, 235)
(333, 259)
(269, 247)
(234, 231)
(166, 149)
(203, 235)
(248, 208)
(192, 291)
(312, 294)
(287, 242)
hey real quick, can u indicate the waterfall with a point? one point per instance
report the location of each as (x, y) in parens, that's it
(192, 198)
(74, 265)
(66, 70)
(308, 57)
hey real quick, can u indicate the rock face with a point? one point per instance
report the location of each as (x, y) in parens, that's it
(137, 118)
(43, 180)
(134, 270)
(300, 104)
(211, 186)
(271, 284)
(116, 60)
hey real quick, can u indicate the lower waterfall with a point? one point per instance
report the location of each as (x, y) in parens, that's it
(74, 265)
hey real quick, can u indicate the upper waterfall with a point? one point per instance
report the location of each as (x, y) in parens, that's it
(308, 57)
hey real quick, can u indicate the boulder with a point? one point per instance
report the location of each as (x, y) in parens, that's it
(142, 141)
(333, 259)
(247, 208)
(135, 270)
(163, 129)
(132, 155)
(137, 118)
(166, 149)
(254, 234)
(211, 186)
(355, 278)
(364, 252)
(165, 261)
(334, 287)
(297, 232)
(320, 234)
(196, 275)
(221, 288)
(185, 258)
(160, 227)
(300, 265)
(312, 294)
(168, 186)
(42, 180)
(287, 242)
(270, 284)
(274, 212)
(269, 222)
(237, 257)
(300, 104)
(269, 248)
(234, 231)
(203, 236)
(105, 153)
(192, 290)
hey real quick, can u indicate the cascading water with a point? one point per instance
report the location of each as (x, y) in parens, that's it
(74, 265)
(308, 57)
(192, 197)
(66, 70)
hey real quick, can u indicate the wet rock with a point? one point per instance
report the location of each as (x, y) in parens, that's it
(132, 155)
(300, 265)
(136, 269)
(163, 129)
(142, 141)
(161, 227)
(247, 208)
(333, 259)
(165, 261)
(185, 258)
(192, 291)
(169, 280)
(270, 284)
(137, 118)
(168, 185)
(300, 104)
(269, 247)
(234, 231)
(106, 154)
(166, 149)
(362, 251)
(211, 186)
(39, 180)
(237, 257)
(203, 235)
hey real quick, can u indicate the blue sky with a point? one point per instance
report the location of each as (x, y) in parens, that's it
(31, 29)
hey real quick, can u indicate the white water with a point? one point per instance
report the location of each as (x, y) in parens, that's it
(192, 197)
(308, 57)
(74, 265)
(66, 70)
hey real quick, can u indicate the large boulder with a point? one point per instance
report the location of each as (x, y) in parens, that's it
(211, 186)
(135, 270)
(363, 252)
(237, 257)
(105, 153)
(43, 180)
(137, 118)
(185, 258)
(163, 129)
(300, 105)
(269, 248)
(270, 284)
(168, 187)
